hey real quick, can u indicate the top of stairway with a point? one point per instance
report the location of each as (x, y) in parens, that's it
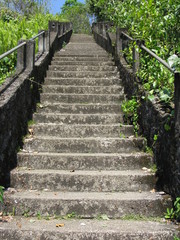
(82, 38)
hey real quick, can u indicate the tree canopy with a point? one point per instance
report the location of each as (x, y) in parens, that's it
(26, 7)
(77, 13)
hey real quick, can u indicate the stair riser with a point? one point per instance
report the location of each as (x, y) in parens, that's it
(65, 235)
(83, 53)
(82, 90)
(82, 82)
(69, 131)
(81, 68)
(81, 58)
(81, 63)
(78, 119)
(82, 109)
(72, 98)
(88, 208)
(85, 74)
(80, 162)
(84, 99)
(81, 183)
(84, 145)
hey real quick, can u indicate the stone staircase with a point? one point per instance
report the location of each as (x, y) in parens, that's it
(81, 162)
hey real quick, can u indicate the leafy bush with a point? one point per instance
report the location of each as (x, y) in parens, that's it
(155, 22)
(14, 29)
(174, 213)
(130, 112)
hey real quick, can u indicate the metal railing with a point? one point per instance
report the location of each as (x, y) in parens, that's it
(26, 48)
(12, 50)
(136, 56)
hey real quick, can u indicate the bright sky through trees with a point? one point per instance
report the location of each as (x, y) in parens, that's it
(57, 4)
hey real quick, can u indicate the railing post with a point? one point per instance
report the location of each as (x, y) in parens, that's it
(177, 115)
(119, 41)
(104, 29)
(46, 38)
(53, 31)
(26, 56)
(30, 54)
(21, 57)
(60, 29)
(118, 49)
(136, 61)
(41, 42)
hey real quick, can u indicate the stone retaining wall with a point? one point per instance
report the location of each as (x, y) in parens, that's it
(152, 120)
(17, 103)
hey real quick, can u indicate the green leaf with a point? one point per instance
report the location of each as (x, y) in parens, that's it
(104, 217)
(151, 98)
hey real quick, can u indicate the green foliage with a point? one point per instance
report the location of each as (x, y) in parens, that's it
(174, 213)
(130, 109)
(158, 24)
(69, 4)
(1, 194)
(26, 7)
(15, 27)
(155, 137)
(76, 13)
(176, 238)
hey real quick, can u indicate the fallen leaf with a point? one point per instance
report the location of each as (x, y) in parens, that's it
(32, 221)
(60, 225)
(31, 132)
(72, 170)
(83, 224)
(144, 169)
(19, 225)
(162, 193)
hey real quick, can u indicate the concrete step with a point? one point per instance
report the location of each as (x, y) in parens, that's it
(79, 131)
(80, 98)
(85, 58)
(84, 145)
(82, 39)
(78, 118)
(87, 204)
(82, 181)
(86, 161)
(82, 52)
(83, 81)
(84, 74)
(78, 46)
(81, 63)
(30, 228)
(83, 89)
(81, 68)
(84, 108)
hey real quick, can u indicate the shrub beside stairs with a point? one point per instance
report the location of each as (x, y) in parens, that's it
(82, 174)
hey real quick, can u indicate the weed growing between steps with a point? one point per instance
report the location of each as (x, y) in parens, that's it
(1, 194)
(101, 217)
(132, 217)
(176, 238)
(129, 109)
(174, 213)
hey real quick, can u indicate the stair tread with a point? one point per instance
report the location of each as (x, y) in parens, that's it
(83, 125)
(85, 138)
(92, 173)
(92, 227)
(47, 194)
(137, 154)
